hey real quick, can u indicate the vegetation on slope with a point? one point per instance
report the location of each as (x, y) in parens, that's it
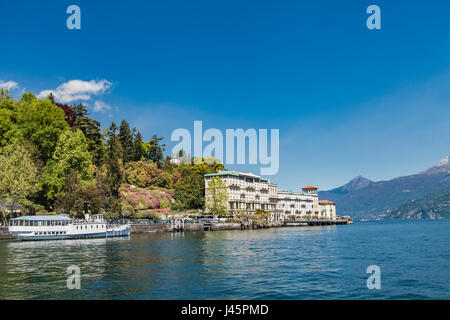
(54, 157)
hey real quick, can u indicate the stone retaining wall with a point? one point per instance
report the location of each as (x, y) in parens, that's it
(163, 227)
(193, 227)
(225, 226)
(151, 227)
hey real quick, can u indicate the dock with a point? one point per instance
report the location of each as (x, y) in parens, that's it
(4, 234)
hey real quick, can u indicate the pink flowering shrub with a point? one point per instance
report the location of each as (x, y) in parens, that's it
(145, 198)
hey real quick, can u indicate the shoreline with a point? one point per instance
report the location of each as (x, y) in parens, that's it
(214, 226)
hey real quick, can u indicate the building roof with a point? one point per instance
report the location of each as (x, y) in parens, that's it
(326, 202)
(309, 187)
(237, 174)
(222, 173)
(60, 217)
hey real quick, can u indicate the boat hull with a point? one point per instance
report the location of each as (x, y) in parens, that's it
(122, 231)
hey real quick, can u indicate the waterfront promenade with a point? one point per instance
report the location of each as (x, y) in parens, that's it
(176, 225)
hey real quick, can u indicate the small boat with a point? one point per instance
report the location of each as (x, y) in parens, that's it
(58, 227)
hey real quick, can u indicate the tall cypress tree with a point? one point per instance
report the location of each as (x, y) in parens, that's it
(138, 152)
(126, 140)
(92, 132)
(114, 175)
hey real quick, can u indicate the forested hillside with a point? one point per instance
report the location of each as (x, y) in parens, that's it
(54, 156)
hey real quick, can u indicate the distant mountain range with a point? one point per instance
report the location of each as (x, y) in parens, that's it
(422, 195)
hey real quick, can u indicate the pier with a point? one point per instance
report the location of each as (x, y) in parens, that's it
(179, 225)
(4, 234)
(316, 222)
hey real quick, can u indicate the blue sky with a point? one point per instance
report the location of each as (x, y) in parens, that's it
(347, 100)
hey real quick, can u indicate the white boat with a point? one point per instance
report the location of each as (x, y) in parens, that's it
(57, 227)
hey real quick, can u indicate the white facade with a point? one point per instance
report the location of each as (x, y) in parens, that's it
(327, 209)
(295, 205)
(248, 192)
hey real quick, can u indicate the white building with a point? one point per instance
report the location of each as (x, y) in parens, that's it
(305, 204)
(295, 205)
(248, 192)
(327, 209)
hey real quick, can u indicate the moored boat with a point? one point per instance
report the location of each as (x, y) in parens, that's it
(58, 227)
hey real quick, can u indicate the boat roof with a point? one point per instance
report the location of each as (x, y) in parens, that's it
(60, 217)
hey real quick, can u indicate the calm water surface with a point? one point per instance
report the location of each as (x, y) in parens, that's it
(284, 263)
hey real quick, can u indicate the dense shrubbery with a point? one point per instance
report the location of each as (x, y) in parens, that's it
(144, 174)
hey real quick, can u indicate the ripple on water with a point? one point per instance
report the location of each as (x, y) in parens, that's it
(282, 263)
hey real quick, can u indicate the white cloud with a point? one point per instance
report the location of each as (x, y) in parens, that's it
(100, 106)
(77, 90)
(8, 85)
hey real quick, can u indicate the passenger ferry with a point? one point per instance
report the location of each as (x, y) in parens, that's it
(57, 227)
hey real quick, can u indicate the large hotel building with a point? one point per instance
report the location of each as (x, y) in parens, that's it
(248, 192)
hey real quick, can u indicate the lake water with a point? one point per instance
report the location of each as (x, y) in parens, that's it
(280, 263)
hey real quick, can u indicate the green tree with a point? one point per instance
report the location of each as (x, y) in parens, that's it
(190, 187)
(92, 132)
(154, 150)
(71, 153)
(76, 192)
(8, 118)
(126, 141)
(114, 172)
(41, 122)
(138, 149)
(189, 190)
(18, 174)
(216, 197)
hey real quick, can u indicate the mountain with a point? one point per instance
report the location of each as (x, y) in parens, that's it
(355, 184)
(432, 206)
(441, 166)
(365, 199)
